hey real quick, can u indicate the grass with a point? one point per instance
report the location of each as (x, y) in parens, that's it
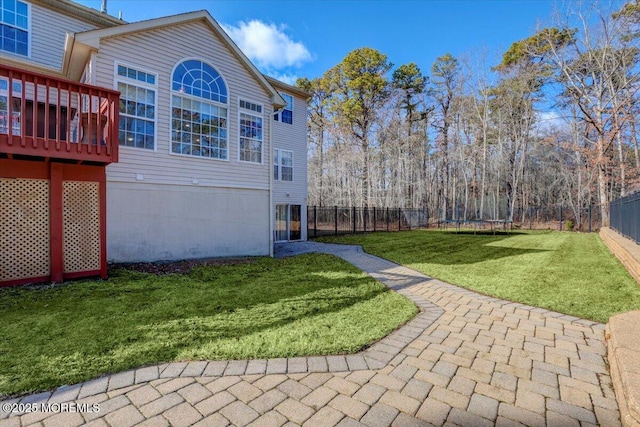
(306, 305)
(572, 273)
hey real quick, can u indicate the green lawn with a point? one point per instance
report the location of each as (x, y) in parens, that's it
(305, 305)
(572, 273)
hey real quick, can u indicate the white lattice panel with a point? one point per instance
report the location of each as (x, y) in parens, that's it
(81, 212)
(24, 228)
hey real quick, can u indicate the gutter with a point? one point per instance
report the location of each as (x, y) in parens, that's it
(270, 171)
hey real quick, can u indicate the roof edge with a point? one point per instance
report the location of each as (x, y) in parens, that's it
(92, 39)
(83, 12)
(27, 65)
(287, 87)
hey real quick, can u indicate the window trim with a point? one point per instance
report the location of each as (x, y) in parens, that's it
(117, 78)
(227, 106)
(279, 178)
(248, 112)
(29, 34)
(250, 100)
(278, 115)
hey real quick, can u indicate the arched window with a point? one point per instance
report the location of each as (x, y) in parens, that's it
(199, 111)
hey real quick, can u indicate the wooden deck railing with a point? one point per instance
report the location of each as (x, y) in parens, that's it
(51, 118)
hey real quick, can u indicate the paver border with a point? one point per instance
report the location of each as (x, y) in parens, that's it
(375, 357)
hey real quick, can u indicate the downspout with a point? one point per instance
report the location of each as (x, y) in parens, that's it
(271, 206)
(270, 171)
(93, 78)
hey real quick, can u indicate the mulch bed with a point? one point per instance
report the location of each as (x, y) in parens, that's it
(158, 268)
(171, 267)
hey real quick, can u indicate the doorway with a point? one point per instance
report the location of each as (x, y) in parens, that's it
(288, 223)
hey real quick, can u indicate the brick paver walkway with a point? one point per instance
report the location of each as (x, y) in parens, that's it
(466, 359)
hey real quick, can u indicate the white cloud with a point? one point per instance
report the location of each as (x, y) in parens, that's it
(267, 45)
(287, 78)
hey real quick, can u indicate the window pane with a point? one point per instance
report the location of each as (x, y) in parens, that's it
(250, 138)
(287, 174)
(198, 130)
(289, 100)
(22, 36)
(22, 48)
(22, 22)
(9, 32)
(136, 116)
(22, 8)
(287, 158)
(14, 23)
(199, 79)
(287, 116)
(9, 17)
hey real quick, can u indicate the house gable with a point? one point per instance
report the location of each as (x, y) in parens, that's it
(94, 39)
(158, 51)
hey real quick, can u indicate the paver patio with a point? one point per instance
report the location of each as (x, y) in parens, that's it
(466, 359)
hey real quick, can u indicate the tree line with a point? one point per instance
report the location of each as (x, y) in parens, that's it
(555, 122)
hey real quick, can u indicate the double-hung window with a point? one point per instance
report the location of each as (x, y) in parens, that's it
(137, 127)
(282, 165)
(286, 114)
(14, 27)
(199, 111)
(251, 133)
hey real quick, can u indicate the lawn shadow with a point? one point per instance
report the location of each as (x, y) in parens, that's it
(449, 247)
(138, 319)
(236, 313)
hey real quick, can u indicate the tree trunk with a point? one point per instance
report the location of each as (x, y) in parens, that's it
(602, 182)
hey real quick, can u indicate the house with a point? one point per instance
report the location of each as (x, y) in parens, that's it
(143, 141)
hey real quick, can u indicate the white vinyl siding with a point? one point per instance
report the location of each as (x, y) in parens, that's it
(293, 137)
(162, 167)
(48, 33)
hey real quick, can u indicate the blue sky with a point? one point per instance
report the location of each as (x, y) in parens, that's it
(289, 39)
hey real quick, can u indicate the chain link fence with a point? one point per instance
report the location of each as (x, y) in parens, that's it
(324, 221)
(335, 220)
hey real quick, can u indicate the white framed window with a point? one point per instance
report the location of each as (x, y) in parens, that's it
(286, 114)
(14, 27)
(282, 164)
(251, 106)
(12, 122)
(138, 92)
(251, 133)
(199, 112)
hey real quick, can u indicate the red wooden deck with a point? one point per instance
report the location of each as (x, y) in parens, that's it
(51, 118)
(56, 139)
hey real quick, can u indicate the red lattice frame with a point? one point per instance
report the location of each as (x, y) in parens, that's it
(57, 174)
